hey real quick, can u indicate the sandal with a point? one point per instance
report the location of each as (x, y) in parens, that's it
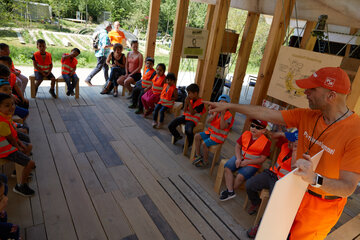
(197, 159)
(202, 164)
(115, 94)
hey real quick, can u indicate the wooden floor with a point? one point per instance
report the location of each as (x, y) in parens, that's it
(104, 173)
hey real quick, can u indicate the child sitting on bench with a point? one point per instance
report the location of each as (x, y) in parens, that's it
(220, 125)
(68, 67)
(42, 67)
(167, 99)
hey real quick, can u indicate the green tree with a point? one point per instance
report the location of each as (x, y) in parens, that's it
(196, 14)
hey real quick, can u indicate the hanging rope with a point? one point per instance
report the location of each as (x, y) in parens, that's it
(355, 35)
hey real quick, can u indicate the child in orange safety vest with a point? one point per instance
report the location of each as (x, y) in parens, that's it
(251, 150)
(167, 99)
(152, 96)
(68, 67)
(220, 125)
(42, 66)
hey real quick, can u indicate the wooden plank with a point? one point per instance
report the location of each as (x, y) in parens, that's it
(348, 231)
(45, 117)
(92, 183)
(213, 48)
(56, 214)
(141, 222)
(36, 232)
(203, 209)
(310, 25)
(209, 201)
(101, 171)
(126, 182)
(178, 37)
(152, 28)
(85, 95)
(243, 55)
(207, 25)
(70, 143)
(111, 216)
(173, 215)
(55, 116)
(36, 209)
(189, 210)
(85, 219)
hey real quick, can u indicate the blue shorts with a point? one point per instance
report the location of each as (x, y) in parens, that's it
(38, 76)
(247, 171)
(21, 112)
(206, 137)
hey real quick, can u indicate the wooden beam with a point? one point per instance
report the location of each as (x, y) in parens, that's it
(152, 28)
(243, 55)
(353, 31)
(277, 32)
(207, 25)
(308, 41)
(178, 37)
(353, 100)
(213, 48)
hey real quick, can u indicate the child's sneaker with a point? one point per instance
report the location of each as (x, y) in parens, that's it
(253, 209)
(52, 93)
(226, 195)
(197, 159)
(251, 233)
(177, 139)
(154, 124)
(23, 190)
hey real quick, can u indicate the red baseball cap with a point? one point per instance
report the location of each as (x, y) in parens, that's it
(260, 122)
(333, 78)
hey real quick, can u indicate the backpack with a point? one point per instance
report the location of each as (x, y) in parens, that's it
(181, 95)
(95, 40)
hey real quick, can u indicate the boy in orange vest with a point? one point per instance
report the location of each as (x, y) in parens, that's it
(42, 66)
(167, 99)
(251, 150)
(68, 67)
(193, 109)
(220, 125)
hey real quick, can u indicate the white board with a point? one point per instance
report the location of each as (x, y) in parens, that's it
(195, 41)
(283, 205)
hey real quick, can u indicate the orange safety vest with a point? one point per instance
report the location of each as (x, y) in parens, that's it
(283, 162)
(254, 151)
(68, 65)
(12, 80)
(216, 134)
(43, 65)
(196, 117)
(166, 96)
(5, 147)
(146, 79)
(157, 84)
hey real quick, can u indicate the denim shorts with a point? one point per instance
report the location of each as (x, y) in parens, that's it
(38, 76)
(206, 137)
(247, 171)
(21, 112)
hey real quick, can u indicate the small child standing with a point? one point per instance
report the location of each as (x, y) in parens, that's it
(42, 66)
(11, 148)
(151, 97)
(220, 125)
(68, 67)
(167, 99)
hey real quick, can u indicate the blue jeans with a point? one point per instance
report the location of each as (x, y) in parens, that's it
(162, 110)
(71, 81)
(247, 171)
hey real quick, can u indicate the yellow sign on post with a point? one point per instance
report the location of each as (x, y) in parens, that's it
(195, 41)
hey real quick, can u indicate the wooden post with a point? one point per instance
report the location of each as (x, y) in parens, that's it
(152, 28)
(243, 55)
(308, 41)
(207, 25)
(178, 37)
(353, 100)
(347, 51)
(213, 48)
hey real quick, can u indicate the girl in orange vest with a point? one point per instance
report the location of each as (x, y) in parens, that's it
(167, 99)
(11, 148)
(251, 150)
(220, 125)
(68, 67)
(152, 97)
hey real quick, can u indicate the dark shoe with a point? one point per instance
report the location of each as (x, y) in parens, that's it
(115, 94)
(253, 209)
(104, 91)
(177, 139)
(251, 233)
(52, 93)
(23, 190)
(68, 92)
(72, 93)
(139, 111)
(226, 195)
(132, 106)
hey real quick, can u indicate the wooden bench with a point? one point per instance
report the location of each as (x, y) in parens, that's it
(18, 169)
(59, 79)
(264, 196)
(349, 231)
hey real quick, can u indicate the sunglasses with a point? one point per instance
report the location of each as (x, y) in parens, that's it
(256, 126)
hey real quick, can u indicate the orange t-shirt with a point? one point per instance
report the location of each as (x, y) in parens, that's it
(341, 141)
(116, 36)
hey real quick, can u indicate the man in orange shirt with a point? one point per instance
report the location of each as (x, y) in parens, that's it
(327, 125)
(116, 35)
